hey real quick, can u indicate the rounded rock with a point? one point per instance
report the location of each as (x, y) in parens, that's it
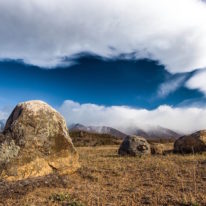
(193, 143)
(133, 146)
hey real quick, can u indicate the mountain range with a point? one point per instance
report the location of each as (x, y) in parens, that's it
(149, 133)
(98, 130)
(156, 133)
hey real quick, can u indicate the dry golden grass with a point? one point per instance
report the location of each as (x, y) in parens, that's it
(107, 179)
(86, 139)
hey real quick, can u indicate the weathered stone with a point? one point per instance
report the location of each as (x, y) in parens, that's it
(134, 145)
(36, 143)
(191, 143)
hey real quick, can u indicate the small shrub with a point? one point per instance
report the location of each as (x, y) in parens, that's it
(65, 199)
(59, 197)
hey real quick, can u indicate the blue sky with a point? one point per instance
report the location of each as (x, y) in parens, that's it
(133, 83)
(123, 64)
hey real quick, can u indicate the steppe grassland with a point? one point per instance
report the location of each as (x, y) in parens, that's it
(107, 179)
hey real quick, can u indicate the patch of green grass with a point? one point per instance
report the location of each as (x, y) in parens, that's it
(65, 199)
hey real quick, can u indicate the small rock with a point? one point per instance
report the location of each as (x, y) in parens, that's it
(133, 146)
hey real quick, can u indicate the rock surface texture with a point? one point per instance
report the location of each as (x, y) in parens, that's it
(191, 143)
(35, 142)
(134, 145)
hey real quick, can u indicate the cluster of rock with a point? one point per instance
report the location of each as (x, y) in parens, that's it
(136, 145)
(35, 142)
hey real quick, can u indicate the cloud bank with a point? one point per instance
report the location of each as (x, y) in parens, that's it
(184, 120)
(44, 32)
(50, 33)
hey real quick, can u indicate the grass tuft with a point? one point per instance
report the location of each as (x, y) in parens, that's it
(65, 199)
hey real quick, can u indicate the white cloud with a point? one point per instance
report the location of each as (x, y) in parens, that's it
(184, 120)
(170, 86)
(3, 115)
(42, 32)
(198, 81)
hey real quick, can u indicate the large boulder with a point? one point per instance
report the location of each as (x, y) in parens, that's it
(191, 143)
(133, 146)
(35, 142)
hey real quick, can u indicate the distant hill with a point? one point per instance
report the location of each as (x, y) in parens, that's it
(151, 133)
(98, 130)
(83, 138)
(156, 133)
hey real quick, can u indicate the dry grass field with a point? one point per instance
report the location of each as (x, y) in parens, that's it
(107, 179)
(85, 139)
